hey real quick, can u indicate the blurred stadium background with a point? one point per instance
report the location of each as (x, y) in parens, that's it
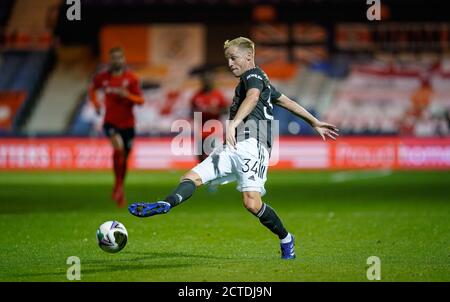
(385, 84)
(388, 79)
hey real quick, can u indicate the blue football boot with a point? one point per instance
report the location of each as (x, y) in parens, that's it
(145, 209)
(287, 249)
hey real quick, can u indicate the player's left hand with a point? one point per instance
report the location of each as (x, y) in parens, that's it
(326, 130)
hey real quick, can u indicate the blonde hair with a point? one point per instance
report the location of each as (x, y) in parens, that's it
(241, 42)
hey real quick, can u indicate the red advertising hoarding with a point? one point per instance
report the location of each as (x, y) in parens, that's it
(291, 153)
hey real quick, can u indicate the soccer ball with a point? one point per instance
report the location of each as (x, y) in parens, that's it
(112, 236)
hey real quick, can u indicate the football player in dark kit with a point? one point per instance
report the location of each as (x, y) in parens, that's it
(121, 91)
(245, 158)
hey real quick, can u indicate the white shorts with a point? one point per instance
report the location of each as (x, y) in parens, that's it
(247, 165)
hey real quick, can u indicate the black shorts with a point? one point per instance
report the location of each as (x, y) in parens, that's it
(127, 135)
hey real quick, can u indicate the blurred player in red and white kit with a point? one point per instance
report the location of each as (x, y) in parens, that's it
(211, 103)
(121, 91)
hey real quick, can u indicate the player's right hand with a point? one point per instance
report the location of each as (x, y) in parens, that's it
(231, 135)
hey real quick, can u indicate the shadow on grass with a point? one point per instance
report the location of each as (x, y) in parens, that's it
(129, 264)
(152, 255)
(107, 269)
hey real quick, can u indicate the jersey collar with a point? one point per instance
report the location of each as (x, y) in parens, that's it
(248, 72)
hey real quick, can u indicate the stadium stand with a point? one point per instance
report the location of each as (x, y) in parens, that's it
(377, 98)
(26, 56)
(66, 85)
(31, 24)
(23, 71)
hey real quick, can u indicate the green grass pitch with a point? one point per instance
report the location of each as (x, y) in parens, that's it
(339, 220)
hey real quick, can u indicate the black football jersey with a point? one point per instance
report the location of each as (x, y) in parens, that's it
(258, 124)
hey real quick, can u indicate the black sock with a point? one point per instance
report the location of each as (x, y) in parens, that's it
(183, 192)
(270, 220)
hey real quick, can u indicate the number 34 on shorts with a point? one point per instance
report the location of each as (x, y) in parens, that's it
(257, 168)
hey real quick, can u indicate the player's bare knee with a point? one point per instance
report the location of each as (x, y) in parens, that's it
(193, 177)
(252, 201)
(117, 142)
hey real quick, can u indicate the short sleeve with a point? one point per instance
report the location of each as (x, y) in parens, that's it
(97, 81)
(254, 80)
(274, 93)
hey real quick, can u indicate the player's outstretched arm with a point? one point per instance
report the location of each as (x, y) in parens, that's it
(323, 129)
(93, 98)
(136, 98)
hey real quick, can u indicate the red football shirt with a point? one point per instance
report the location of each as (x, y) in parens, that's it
(211, 104)
(119, 110)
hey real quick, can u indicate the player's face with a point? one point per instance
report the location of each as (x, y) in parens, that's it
(117, 60)
(239, 60)
(207, 80)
